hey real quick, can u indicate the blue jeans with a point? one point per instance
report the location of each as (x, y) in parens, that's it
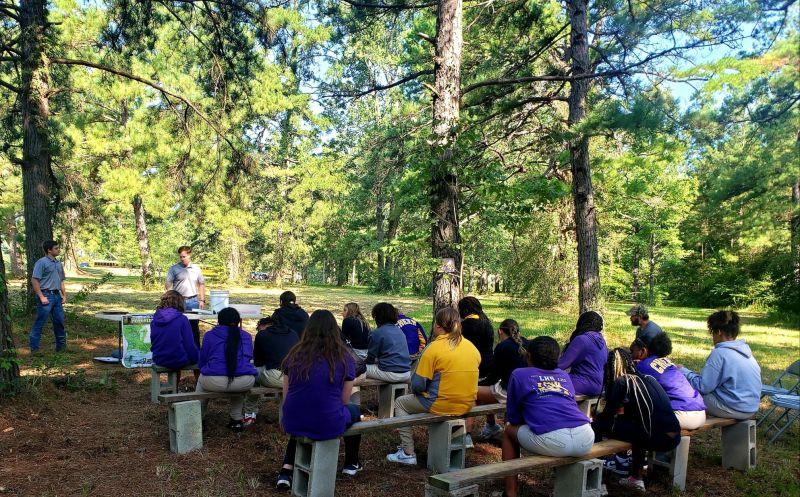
(192, 304)
(55, 309)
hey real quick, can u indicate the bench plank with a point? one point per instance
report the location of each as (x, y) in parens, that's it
(477, 474)
(419, 419)
(181, 397)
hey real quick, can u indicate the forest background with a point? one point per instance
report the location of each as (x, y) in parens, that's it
(653, 146)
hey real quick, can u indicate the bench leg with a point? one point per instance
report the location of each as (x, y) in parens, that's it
(589, 406)
(676, 461)
(446, 448)
(470, 491)
(315, 468)
(185, 426)
(739, 445)
(387, 394)
(580, 479)
(155, 386)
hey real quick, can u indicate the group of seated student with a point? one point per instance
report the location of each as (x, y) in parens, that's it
(648, 398)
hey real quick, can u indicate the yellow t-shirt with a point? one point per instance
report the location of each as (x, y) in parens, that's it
(453, 376)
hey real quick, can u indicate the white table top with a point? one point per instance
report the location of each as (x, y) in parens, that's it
(190, 315)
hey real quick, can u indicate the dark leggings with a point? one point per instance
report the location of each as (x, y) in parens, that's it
(625, 430)
(351, 444)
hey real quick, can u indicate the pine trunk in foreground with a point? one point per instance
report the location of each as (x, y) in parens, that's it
(35, 107)
(795, 230)
(9, 369)
(148, 274)
(582, 193)
(14, 249)
(445, 237)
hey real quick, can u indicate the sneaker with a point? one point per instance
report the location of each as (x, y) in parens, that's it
(632, 482)
(249, 419)
(468, 443)
(401, 457)
(618, 465)
(236, 425)
(284, 479)
(490, 431)
(352, 469)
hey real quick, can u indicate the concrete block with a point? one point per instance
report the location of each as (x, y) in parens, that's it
(185, 426)
(157, 387)
(446, 450)
(675, 461)
(739, 445)
(470, 491)
(387, 394)
(589, 406)
(580, 479)
(315, 468)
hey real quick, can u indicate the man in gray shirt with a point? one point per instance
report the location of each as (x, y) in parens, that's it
(47, 281)
(187, 279)
(646, 330)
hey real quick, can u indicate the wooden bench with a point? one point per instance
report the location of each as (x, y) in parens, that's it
(581, 476)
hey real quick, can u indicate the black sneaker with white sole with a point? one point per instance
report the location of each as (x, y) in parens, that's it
(284, 480)
(352, 469)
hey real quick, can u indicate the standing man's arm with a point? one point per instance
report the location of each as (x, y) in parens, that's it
(63, 293)
(37, 288)
(201, 289)
(170, 279)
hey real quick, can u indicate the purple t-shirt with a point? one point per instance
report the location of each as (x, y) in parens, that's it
(542, 399)
(682, 395)
(586, 357)
(313, 407)
(212, 353)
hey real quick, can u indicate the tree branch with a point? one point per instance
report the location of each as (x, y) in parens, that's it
(151, 84)
(385, 6)
(378, 88)
(10, 86)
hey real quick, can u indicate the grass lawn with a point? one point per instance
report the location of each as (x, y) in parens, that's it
(83, 428)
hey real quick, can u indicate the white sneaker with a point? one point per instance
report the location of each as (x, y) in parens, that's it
(632, 482)
(468, 443)
(401, 457)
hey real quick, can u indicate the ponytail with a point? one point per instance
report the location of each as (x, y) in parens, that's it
(511, 328)
(449, 320)
(230, 317)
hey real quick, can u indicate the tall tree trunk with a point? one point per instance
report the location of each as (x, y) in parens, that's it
(14, 250)
(35, 105)
(235, 258)
(445, 236)
(68, 241)
(354, 275)
(651, 275)
(148, 273)
(795, 230)
(582, 193)
(380, 238)
(637, 256)
(9, 369)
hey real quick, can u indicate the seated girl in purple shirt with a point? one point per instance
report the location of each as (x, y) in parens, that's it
(225, 363)
(541, 413)
(685, 400)
(171, 338)
(318, 375)
(585, 355)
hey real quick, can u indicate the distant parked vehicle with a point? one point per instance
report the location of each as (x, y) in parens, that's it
(83, 265)
(259, 276)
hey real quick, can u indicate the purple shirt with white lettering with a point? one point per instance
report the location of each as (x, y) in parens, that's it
(682, 396)
(542, 399)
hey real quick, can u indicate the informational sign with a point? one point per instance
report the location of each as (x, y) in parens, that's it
(135, 337)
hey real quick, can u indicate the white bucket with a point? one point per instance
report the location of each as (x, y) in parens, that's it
(219, 299)
(249, 310)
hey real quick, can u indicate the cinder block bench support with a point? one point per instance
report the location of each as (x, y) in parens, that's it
(676, 462)
(589, 405)
(739, 445)
(157, 388)
(185, 426)
(580, 479)
(315, 468)
(446, 450)
(387, 394)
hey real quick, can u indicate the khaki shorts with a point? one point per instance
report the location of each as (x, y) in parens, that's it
(499, 393)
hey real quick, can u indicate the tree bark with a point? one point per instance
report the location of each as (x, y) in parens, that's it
(235, 259)
(582, 192)
(637, 256)
(35, 106)
(14, 249)
(651, 275)
(380, 238)
(9, 368)
(68, 242)
(148, 273)
(795, 230)
(445, 236)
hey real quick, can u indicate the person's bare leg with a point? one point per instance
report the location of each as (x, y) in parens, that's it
(511, 451)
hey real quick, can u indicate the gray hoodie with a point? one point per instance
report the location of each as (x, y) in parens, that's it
(732, 374)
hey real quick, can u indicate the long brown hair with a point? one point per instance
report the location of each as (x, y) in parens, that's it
(172, 299)
(321, 339)
(352, 310)
(449, 320)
